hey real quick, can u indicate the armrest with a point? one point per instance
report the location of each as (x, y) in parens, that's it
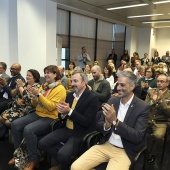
(84, 145)
(56, 124)
(94, 139)
(141, 152)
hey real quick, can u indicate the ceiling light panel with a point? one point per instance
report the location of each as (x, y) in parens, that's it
(127, 6)
(149, 15)
(149, 22)
(161, 2)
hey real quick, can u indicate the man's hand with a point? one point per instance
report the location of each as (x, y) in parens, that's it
(63, 107)
(20, 83)
(114, 95)
(156, 95)
(3, 82)
(110, 114)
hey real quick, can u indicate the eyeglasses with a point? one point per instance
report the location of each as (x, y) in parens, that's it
(161, 81)
(13, 68)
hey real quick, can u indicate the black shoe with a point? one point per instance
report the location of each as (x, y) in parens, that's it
(151, 159)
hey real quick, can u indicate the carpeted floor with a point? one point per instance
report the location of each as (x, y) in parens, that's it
(6, 151)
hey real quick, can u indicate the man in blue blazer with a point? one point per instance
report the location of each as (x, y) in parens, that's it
(123, 124)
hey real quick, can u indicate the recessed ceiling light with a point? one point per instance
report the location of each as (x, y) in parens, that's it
(149, 22)
(149, 15)
(128, 6)
(162, 27)
(161, 2)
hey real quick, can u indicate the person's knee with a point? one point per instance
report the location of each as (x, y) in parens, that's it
(27, 130)
(63, 157)
(74, 166)
(159, 135)
(42, 145)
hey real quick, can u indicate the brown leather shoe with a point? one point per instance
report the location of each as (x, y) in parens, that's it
(55, 168)
(11, 162)
(30, 166)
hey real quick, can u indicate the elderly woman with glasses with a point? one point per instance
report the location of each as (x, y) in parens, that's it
(147, 82)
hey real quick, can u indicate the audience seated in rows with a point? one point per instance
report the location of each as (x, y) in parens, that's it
(37, 123)
(22, 103)
(78, 112)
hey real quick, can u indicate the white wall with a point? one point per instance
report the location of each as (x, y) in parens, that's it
(143, 41)
(138, 40)
(152, 42)
(36, 34)
(130, 43)
(163, 40)
(4, 29)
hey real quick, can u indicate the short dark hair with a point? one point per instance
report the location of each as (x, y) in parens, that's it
(53, 69)
(72, 62)
(35, 74)
(3, 65)
(152, 69)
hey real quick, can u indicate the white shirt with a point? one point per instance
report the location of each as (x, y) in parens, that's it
(114, 138)
(77, 98)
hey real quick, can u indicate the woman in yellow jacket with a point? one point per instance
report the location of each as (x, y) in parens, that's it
(37, 123)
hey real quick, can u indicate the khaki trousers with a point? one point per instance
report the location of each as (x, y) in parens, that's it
(116, 157)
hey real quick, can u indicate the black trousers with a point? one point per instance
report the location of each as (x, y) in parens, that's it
(51, 144)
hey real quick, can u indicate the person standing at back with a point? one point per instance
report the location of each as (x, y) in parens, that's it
(83, 58)
(112, 56)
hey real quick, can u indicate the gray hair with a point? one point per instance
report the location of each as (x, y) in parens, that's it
(77, 68)
(167, 78)
(132, 77)
(82, 74)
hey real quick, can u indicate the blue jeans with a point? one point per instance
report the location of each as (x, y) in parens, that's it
(30, 127)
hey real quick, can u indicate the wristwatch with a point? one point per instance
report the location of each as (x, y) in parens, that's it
(38, 94)
(115, 122)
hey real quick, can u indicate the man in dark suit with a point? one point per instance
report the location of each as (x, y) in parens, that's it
(79, 112)
(99, 85)
(123, 124)
(6, 86)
